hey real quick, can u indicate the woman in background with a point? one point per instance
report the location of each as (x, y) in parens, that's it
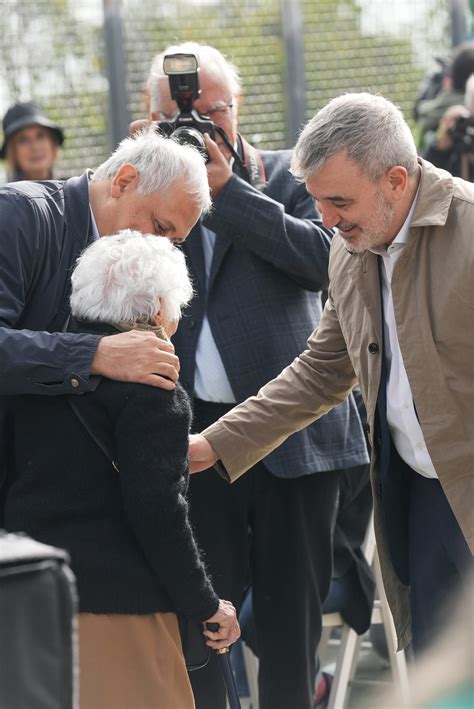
(30, 143)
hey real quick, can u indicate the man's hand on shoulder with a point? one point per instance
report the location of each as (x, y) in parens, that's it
(201, 454)
(139, 357)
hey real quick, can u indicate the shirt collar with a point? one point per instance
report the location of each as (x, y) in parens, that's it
(402, 236)
(95, 232)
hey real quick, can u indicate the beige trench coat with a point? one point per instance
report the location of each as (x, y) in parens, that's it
(432, 289)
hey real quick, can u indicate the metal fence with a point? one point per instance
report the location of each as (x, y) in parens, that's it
(86, 61)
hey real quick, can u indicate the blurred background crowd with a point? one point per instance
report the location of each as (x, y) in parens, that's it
(85, 63)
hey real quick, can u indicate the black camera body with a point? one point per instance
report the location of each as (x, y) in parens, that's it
(188, 125)
(462, 134)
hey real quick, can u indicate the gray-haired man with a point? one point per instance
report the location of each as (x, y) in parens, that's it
(149, 184)
(390, 324)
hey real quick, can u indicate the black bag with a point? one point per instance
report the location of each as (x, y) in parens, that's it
(196, 652)
(38, 605)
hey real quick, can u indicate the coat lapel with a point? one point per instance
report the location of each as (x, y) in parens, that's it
(195, 256)
(365, 276)
(221, 247)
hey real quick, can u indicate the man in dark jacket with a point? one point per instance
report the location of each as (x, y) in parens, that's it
(149, 184)
(259, 264)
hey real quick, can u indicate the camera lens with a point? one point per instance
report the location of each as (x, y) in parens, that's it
(190, 136)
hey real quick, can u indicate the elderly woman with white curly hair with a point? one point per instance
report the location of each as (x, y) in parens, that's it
(124, 523)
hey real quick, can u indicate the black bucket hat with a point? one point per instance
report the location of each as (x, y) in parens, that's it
(24, 115)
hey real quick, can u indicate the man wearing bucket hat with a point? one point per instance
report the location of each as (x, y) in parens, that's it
(30, 143)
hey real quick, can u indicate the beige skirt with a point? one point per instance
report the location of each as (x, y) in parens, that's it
(132, 662)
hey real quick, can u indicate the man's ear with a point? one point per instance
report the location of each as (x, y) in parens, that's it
(396, 182)
(125, 177)
(140, 124)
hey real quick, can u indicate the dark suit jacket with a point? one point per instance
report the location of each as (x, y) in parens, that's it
(263, 301)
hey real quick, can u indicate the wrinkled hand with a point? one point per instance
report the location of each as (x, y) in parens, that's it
(229, 629)
(218, 168)
(201, 454)
(139, 357)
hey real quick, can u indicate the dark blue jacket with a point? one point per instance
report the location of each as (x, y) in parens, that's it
(44, 226)
(263, 301)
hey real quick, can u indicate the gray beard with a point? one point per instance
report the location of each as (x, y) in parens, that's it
(376, 235)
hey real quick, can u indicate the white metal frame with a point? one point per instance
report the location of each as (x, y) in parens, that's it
(349, 649)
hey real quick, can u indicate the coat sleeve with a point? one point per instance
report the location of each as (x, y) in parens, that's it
(291, 237)
(316, 381)
(33, 362)
(152, 445)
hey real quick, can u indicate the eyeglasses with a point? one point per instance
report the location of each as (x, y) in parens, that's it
(219, 110)
(216, 112)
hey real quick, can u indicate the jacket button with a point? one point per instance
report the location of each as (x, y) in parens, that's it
(373, 348)
(74, 383)
(367, 429)
(192, 324)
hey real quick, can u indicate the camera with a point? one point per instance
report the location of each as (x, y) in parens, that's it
(462, 134)
(188, 125)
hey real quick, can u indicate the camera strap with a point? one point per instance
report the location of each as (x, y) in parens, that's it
(250, 167)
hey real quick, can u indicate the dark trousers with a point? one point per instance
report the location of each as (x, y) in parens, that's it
(439, 560)
(428, 550)
(276, 534)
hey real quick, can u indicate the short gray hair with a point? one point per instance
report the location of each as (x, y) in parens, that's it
(124, 276)
(160, 162)
(370, 128)
(209, 58)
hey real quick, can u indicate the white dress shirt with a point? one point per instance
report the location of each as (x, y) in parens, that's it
(211, 382)
(401, 415)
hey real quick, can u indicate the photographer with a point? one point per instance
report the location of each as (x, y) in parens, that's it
(453, 147)
(429, 112)
(259, 263)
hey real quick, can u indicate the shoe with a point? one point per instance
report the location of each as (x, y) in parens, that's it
(322, 691)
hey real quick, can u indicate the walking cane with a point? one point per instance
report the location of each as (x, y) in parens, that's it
(226, 669)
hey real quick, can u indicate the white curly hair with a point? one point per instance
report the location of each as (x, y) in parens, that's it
(130, 277)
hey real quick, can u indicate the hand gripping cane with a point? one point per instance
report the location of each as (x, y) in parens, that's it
(226, 669)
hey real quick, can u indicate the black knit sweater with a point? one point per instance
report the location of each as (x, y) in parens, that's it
(131, 545)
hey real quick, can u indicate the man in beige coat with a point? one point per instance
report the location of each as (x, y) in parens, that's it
(399, 321)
